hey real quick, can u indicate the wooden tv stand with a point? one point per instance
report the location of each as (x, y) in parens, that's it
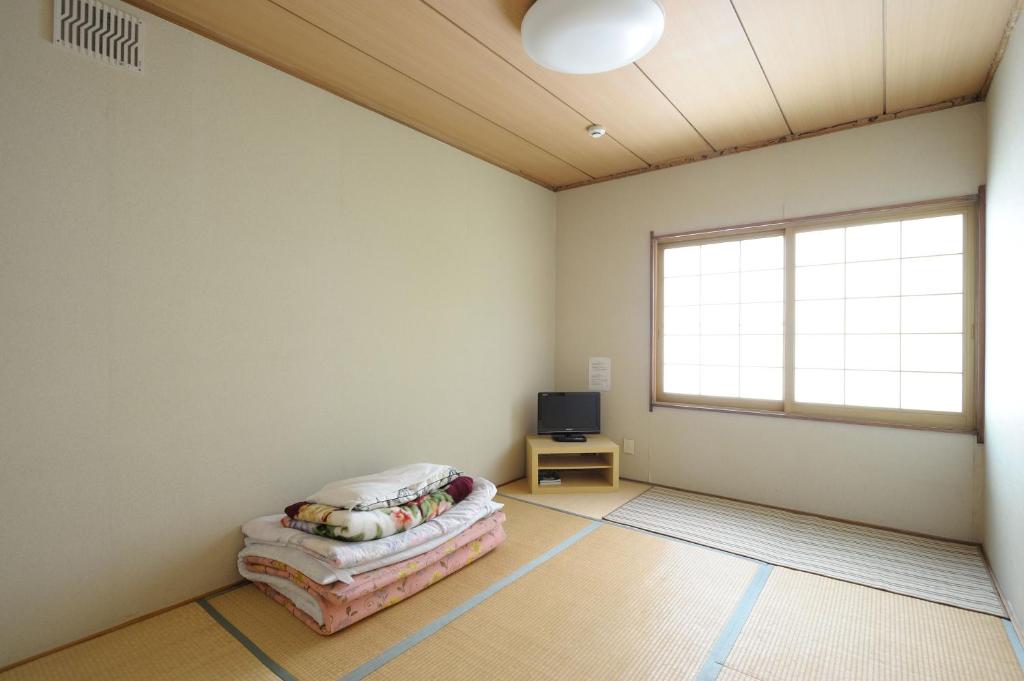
(591, 466)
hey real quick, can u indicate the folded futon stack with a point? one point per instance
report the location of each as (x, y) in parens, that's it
(360, 545)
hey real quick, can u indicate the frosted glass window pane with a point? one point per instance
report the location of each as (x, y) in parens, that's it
(682, 261)
(873, 388)
(720, 257)
(819, 352)
(720, 288)
(873, 279)
(933, 236)
(720, 381)
(762, 254)
(682, 291)
(682, 379)
(933, 352)
(761, 351)
(938, 274)
(821, 386)
(681, 349)
(931, 392)
(819, 316)
(819, 247)
(873, 242)
(761, 318)
(873, 352)
(720, 319)
(761, 384)
(720, 350)
(762, 286)
(873, 315)
(933, 314)
(681, 321)
(819, 281)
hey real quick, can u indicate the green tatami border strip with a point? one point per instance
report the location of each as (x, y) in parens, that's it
(407, 643)
(413, 639)
(727, 638)
(265, 659)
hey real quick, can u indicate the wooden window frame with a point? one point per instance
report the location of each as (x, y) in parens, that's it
(966, 421)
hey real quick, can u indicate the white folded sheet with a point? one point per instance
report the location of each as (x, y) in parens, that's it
(287, 588)
(308, 564)
(328, 560)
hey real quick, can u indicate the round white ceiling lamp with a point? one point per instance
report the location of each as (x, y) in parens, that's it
(591, 36)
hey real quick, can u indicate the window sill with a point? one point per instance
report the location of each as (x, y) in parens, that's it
(812, 417)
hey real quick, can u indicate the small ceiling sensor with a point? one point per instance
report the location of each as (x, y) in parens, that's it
(596, 131)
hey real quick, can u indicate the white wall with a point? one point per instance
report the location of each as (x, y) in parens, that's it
(219, 288)
(913, 480)
(1004, 415)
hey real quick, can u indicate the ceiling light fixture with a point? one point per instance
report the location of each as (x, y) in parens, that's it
(591, 36)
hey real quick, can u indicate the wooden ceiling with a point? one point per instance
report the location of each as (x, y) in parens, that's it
(728, 75)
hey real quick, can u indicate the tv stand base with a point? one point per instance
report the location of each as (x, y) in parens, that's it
(569, 437)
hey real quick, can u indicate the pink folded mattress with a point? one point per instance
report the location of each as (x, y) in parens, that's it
(344, 604)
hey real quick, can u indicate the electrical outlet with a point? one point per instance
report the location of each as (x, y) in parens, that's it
(628, 446)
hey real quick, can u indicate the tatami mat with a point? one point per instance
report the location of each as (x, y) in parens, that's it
(805, 627)
(932, 569)
(617, 605)
(531, 531)
(594, 505)
(184, 643)
(727, 674)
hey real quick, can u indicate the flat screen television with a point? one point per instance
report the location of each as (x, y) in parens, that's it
(568, 417)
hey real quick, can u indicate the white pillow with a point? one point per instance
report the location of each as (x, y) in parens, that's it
(392, 487)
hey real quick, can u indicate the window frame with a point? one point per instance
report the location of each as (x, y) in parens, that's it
(965, 421)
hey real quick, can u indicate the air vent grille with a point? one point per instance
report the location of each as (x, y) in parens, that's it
(92, 28)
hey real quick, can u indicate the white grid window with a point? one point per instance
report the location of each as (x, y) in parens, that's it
(879, 315)
(869, 320)
(723, 319)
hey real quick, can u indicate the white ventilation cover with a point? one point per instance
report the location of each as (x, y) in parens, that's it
(97, 30)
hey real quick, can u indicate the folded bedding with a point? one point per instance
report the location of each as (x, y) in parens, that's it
(326, 560)
(308, 564)
(329, 608)
(354, 526)
(349, 525)
(393, 487)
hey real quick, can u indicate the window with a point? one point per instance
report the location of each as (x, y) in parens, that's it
(723, 318)
(865, 317)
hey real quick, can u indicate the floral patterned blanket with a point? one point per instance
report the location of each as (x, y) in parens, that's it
(327, 609)
(347, 525)
(358, 557)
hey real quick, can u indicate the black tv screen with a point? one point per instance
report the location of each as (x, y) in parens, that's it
(568, 413)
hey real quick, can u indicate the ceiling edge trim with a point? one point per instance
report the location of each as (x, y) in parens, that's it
(859, 123)
(1003, 42)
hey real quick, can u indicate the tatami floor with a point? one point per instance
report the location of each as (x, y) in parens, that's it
(568, 597)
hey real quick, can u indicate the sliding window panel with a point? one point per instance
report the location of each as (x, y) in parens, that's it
(879, 316)
(721, 322)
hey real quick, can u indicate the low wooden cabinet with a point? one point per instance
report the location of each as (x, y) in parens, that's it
(591, 466)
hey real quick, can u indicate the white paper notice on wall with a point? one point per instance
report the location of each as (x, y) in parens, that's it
(599, 371)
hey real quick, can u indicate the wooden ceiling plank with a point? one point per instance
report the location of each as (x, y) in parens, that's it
(823, 58)
(414, 39)
(940, 49)
(705, 65)
(276, 37)
(870, 120)
(628, 105)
